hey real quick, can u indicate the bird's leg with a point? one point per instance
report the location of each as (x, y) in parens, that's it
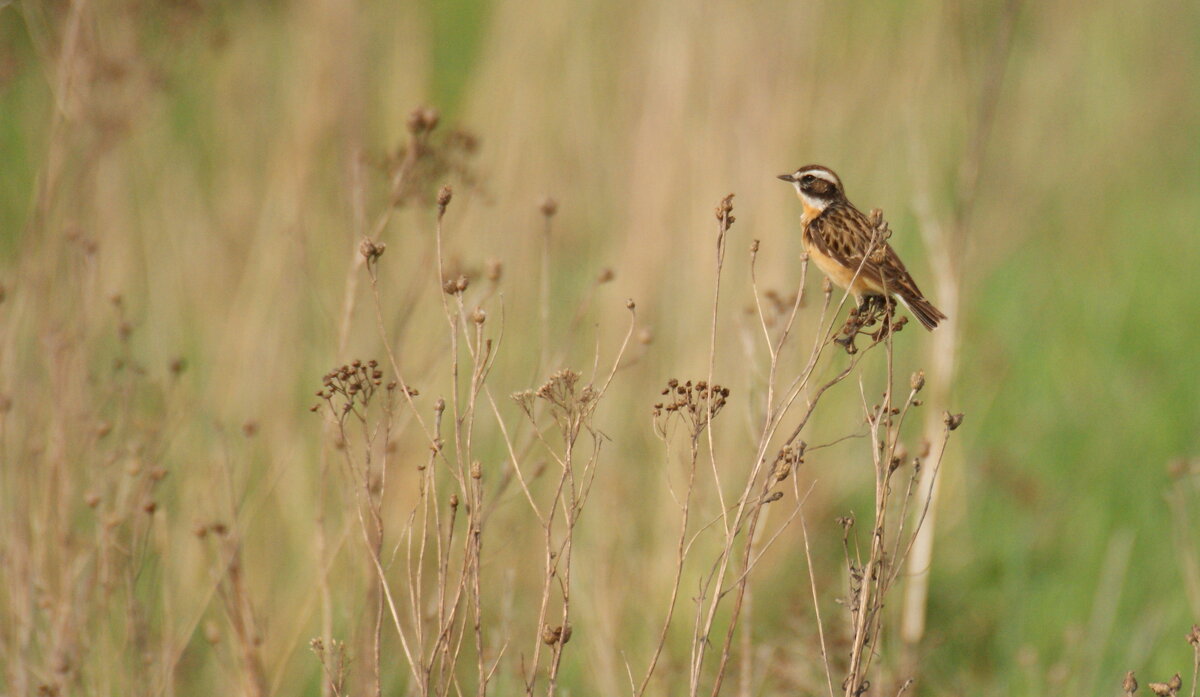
(890, 324)
(869, 309)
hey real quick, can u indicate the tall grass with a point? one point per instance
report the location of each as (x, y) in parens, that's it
(185, 190)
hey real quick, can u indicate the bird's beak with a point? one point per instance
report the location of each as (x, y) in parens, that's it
(787, 177)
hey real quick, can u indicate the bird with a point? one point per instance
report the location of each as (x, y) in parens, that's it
(838, 237)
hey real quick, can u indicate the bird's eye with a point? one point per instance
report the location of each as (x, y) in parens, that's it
(807, 179)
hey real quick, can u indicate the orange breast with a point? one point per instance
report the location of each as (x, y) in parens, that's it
(838, 273)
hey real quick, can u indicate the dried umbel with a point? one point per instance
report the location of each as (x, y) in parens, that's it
(352, 386)
(371, 250)
(1170, 688)
(427, 158)
(564, 392)
(494, 270)
(422, 120)
(697, 403)
(874, 311)
(788, 459)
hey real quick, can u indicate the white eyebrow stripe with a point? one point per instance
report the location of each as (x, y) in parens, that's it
(821, 174)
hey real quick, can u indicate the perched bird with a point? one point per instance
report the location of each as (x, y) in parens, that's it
(838, 237)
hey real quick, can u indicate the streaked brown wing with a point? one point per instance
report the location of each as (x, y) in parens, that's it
(844, 233)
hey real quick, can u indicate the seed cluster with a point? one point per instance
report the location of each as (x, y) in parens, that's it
(698, 403)
(427, 158)
(353, 385)
(788, 459)
(570, 403)
(562, 391)
(874, 312)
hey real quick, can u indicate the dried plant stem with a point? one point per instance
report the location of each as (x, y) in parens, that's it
(680, 557)
(812, 584)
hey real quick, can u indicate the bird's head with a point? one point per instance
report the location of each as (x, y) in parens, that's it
(816, 186)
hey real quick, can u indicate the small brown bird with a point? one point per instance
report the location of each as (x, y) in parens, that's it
(837, 236)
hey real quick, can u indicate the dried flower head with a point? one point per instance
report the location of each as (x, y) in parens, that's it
(494, 269)
(371, 250)
(697, 404)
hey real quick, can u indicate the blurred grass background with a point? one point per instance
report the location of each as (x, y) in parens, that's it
(202, 160)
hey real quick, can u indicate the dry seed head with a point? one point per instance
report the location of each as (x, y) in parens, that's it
(606, 275)
(422, 120)
(495, 269)
(548, 207)
(461, 283)
(444, 196)
(478, 316)
(92, 499)
(453, 501)
(551, 635)
(630, 304)
(476, 470)
(1193, 636)
(917, 381)
(724, 208)
(952, 421)
(876, 217)
(416, 122)
(1130, 684)
(371, 250)
(431, 117)
(150, 507)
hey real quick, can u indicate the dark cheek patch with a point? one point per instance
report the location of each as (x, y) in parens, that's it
(819, 187)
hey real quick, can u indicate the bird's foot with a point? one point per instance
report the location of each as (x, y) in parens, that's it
(872, 310)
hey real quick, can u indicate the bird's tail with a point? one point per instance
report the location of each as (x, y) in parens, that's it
(923, 310)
